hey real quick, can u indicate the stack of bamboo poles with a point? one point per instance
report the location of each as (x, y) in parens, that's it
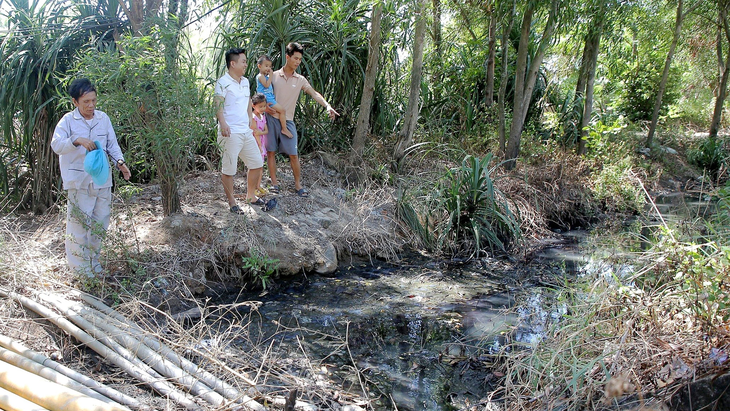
(137, 352)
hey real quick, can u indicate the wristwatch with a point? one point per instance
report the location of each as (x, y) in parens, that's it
(120, 162)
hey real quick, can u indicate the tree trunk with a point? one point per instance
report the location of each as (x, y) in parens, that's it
(45, 165)
(170, 197)
(665, 73)
(489, 94)
(503, 79)
(405, 137)
(371, 74)
(595, 43)
(723, 68)
(437, 38)
(573, 133)
(525, 84)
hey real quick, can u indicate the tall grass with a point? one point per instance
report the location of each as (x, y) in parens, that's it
(637, 328)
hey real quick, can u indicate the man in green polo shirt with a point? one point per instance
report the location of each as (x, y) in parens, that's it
(287, 86)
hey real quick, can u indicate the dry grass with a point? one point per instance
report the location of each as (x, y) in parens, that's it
(619, 345)
(227, 340)
(552, 195)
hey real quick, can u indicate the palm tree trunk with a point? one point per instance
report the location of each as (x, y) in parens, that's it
(371, 74)
(405, 137)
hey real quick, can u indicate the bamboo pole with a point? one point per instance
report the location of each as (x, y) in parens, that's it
(48, 394)
(107, 391)
(49, 374)
(160, 386)
(10, 401)
(122, 352)
(141, 351)
(220, 386)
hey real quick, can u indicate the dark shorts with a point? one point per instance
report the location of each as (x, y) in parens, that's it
(277, 142)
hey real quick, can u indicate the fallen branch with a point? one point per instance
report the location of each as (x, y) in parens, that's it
(122, 322)
(85, 318)
(49, 374)
(13, 402)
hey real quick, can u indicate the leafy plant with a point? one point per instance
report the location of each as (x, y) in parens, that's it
(710, 154)
(37, 50)
(259, 266)
(160, 111)
(468, 214)
(618, 186)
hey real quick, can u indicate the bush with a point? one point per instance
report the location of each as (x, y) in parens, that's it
(468, 215)
(160, 112)
(637, 102)
(709, 155)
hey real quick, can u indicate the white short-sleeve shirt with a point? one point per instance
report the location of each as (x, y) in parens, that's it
(235, 106)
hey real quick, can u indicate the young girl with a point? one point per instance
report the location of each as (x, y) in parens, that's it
(260, 130)
(263, 85)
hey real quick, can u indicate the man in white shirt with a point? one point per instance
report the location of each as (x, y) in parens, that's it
(235, 136)
(89, 203)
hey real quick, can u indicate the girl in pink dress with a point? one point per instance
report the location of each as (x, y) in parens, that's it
(260, 131)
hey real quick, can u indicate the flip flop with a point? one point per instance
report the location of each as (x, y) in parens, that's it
(258, 202)
(237, 210)
(270, 205)
(274, 189)
(302, 192)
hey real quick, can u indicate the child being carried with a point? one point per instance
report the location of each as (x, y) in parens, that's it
(264, 86)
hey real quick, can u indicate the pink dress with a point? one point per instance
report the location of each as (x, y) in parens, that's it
(261, 125)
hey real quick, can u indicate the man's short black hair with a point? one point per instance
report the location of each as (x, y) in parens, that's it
(233, 54)
(258, 98)
(79, 87)
(292, 48)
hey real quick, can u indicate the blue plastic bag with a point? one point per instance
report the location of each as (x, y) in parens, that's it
(97, 165)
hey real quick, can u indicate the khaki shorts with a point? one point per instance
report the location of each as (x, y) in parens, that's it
(239, 145)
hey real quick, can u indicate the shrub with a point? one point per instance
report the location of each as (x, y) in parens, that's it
(468, 213)
(159, 110)
(710, 155)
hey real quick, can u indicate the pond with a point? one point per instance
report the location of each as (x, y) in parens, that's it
(412, 336)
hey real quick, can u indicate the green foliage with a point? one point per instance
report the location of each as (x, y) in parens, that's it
(259, 266)
(642, 86)
(161, 113)
(36, 51)
(467, 215)
(334, 36)
(699, 271)
(710, 154)
(618, 186)
(719, 224)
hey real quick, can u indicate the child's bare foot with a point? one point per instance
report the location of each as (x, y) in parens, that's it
(287, 133)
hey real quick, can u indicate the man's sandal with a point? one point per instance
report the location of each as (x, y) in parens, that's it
(237, 210)
(258, 202)
(302, 192)
(274, 189)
